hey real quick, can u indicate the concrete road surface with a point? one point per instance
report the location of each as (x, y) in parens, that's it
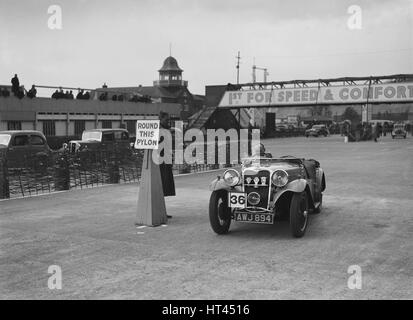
(367, 221)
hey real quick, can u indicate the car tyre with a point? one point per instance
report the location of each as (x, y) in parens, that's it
(299, 214)
(219, 212)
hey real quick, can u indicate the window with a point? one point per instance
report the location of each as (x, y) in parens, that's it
(21, 140)
(14, 125)
(107, 124)
(49, 128)
(120, 135)
(80, 126)
(131, 126)
(108, 136)
(36, 141)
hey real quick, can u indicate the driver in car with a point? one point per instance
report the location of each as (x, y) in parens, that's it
(260, 152)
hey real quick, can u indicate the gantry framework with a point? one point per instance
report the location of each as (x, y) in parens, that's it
(344, 81)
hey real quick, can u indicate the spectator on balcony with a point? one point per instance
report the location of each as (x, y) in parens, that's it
(70, 96)
(55, 95)
(80, 94)
(32, 92)
(86, 96)
(15, 85)
(103, 96)
(61, 94)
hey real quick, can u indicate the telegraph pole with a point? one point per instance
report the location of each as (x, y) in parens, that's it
(238, 57)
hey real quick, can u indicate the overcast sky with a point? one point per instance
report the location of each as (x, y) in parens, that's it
(124, 42)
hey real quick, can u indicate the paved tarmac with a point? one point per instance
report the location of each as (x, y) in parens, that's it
(366, 221)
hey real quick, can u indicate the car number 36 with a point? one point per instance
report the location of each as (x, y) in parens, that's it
(237, 200)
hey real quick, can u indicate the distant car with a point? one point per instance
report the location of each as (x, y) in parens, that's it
(317, 130)
(281, 127)
(101, 140)
(399, 131)
(25, 148)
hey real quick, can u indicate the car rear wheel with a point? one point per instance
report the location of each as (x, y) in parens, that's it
(219, 212)
(299, 214)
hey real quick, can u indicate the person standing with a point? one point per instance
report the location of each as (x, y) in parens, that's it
(375, 132)
(15, 85)
(168, 183)
(32, 92)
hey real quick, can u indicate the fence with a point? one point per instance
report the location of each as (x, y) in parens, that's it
(86, 169)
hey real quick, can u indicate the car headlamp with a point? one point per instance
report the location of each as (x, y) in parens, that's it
(280, 178)
(231, 177)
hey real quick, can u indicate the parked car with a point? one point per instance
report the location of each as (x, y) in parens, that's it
(101, 140)
(25, 149)
(317, 130)
(265, 190)
(399, 130)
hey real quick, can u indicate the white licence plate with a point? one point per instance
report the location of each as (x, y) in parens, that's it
(237, 200)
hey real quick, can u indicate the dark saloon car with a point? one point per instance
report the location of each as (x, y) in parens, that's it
(25, 148)
(101, 140)
(317, 130)
(399, 130)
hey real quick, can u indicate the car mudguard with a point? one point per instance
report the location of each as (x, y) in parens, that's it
(297, 186)
(219, 184)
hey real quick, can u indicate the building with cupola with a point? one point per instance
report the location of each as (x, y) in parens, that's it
(168, 88)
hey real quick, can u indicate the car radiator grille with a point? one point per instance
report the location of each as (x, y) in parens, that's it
(262, 187)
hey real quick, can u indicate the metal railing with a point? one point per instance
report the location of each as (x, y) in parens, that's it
(86, 169)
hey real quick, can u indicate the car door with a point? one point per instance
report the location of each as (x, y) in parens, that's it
(18, 151)
(108, 140)
(122, 140)
(39, 150)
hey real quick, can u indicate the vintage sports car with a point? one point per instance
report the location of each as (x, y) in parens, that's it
(399, 131)
(266, 190)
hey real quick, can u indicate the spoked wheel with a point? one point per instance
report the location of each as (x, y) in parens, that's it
(299, 214)
(219, 212)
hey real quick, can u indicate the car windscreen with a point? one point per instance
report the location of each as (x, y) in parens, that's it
(92, 135)
(5, 139)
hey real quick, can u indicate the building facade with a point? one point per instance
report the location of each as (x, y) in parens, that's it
(70, 117)
(168, 88)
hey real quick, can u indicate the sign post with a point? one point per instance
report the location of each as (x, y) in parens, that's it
(151, 202)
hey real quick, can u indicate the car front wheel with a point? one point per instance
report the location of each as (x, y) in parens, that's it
(299, 214)
(219, 212)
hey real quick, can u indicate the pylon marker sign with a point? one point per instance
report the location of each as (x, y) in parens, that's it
(147, 134)
(151, 203)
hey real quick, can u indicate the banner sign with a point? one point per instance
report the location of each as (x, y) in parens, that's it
(379, 93)
(147, 134)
